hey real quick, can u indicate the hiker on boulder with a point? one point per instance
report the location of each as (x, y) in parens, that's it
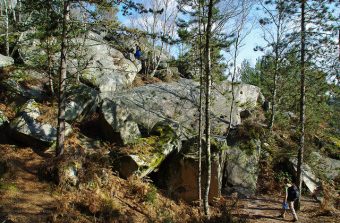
(138, 53)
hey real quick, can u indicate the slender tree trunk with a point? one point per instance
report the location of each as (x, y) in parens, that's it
(62, 82)
(49, 51)
(49, 65)
(19, 10)
(302, 103)
(233, 86)
(200, 130)
(207, 107)
(7, 27)
(274, 92)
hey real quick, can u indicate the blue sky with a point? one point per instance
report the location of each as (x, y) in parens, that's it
(250, 42)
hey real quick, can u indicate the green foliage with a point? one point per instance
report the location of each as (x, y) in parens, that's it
(248, 146)
(151, 195)
(280, 176)
(8, 187)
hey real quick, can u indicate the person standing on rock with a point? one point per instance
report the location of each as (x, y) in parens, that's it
(138, 53)
(291, 194)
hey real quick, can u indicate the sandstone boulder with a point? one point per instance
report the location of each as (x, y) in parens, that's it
(28, 129)
(116, 121)
(5, 61)
(178, 102)
(241, 170)
(178, 174)
(146, 154)
(81, 102)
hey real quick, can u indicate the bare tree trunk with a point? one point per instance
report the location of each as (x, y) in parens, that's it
(49, 53)
(7, 27)
(19, 10)
(207, 107)
(200, 130)
(49, 65)
(62, 82)
(274, 92)
(302, 103)
(276, 69)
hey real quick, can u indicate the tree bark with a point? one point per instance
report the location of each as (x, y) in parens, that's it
(272, 118)
(200, 130)
(207, 107)
(62, 82)
(302, 103)
(7, 27)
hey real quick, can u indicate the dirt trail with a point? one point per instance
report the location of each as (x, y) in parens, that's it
(26, 199)
(267, 209)
(23, 198)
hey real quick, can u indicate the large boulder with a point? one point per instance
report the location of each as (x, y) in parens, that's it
(116, 122)
(321, 166)
(178, 174)
(106, 68)
(179, 101)
(97, 63)
(326, 166)
(5, 61)
(241, 169)
(3, 120)
(29, 129)
(81, 101)
(146, 154)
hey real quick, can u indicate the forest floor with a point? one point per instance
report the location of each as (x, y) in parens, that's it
(268, 209)
(25, 198)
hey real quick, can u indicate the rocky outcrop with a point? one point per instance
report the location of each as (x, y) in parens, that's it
(5, 61)
(321, 166)
(241, 170)
(81, 101)
(97, 63)
(116, 121)
(178, 102)
(146, 154)
(3, 120)
(178, 174)
(106, 68)
(29, 130)
(328, 167)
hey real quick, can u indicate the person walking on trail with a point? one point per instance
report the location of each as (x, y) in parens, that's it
(291, 194)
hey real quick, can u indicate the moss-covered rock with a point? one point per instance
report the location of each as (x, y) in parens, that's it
(146, 154)
(241, 168)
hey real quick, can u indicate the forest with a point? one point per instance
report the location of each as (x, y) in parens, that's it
(169, 111)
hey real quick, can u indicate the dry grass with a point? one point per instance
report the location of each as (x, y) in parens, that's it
(141, 80)
(49, 113)
(7, 110)
(327, 205)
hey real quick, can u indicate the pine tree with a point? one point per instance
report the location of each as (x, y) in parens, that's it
(275, 28)
(62, 82)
